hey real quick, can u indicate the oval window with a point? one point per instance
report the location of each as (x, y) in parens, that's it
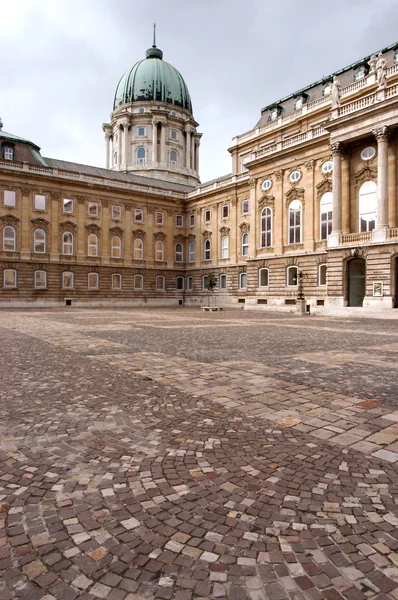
(368, 153)
(295, 176)
(266, 185)
(327, 166)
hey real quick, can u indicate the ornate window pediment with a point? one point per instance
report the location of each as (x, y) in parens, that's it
(224, 230)
(139, 233)
(40, 222)
(159, 235)
(93, 228)
(207, 234)
(365, 174)
(323, 187)
(266, 200)
(116, 230)
(9, 219)
(244, 227)
(67, 225)
(191, 237)
(295, 193)
(179, 237)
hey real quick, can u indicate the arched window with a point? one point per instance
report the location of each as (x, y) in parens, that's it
(326, 209)
(190, 283)
(173, 158)
(207, 250)
(245, 244)
(159, 251)
(243, 281)
(263, 277)
(67, 243)
(291, 276)
(116, 247)
(138, 249)
(141, 155)
(39, 241)
(223, 282)
(191, 252)
(204, 282)
(367, 206)
(160, 283)
(225, 247)
(92, 245)
(40, 279)
(179, 252)
(266, 227)
(295, 222)
(179, 283)
(322, 270)
(138, 282)
(9, 239)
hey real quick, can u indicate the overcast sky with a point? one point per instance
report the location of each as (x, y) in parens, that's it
(62, 60)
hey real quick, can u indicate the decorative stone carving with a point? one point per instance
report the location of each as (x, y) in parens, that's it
(67, 225)
(159, 235)
(81, 199)
(323, 187)
(278, 175)
(127, 205)
(179, 237)
(336, 89)
(191, 237)
(309, 165)
(295, 193)
(365, 174)
(337, 148)
(139, 233)
(215, 205)
(372, 63)
(381, 70)
(381, 133)
(40, 222)
(252, 182)
(105, 203)
(151, 208)
(224, 230)
(207, 234)
(234, 201)
(266, 200)
(116, 231)
(25, 191)
(170, 212)
(244, 227)
(198, 211)
(9, 219)
(55, 196)
(93, 228)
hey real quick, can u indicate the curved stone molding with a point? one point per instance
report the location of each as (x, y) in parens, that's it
(139, 233)
(116, 231)
(323, 187)
(266, 200)
(224, 230)
(93, 228)
(67, 225)
(207, 234)
(244, 227)
(191, 237)
(295, 193)
(9, 219)
(179, 237)
(40, 222)
(365, 174)
(159, 235)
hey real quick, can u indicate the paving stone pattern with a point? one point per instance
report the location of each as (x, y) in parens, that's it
(179, 455)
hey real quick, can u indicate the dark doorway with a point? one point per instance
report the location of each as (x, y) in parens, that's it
(356, 281)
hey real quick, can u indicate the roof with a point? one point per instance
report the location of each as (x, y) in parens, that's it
(15, 138)
(222, 178)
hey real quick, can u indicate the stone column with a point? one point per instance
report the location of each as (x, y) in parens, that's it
(188, 149)
(381, 134)
(25, 224)
(126, 141)
(163, 145)
(337, 153)
(80, 239)
(154, 142)
(119, 147)
(197, 157)
(192, 152)
(253, 219)
(53, 242)
(107, 138)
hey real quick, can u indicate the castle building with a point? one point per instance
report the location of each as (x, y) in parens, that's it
(309, 211)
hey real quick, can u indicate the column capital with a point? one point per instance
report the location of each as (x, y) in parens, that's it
(381, 133)
(337, 148)
(108, 135)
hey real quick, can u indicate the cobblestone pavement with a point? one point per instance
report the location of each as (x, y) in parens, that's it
(174, 454)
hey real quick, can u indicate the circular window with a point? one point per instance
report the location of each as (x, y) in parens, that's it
(173, 113)
(142, 109)
(266, 185)
(327, 167)
(368, 153)
(295, 176)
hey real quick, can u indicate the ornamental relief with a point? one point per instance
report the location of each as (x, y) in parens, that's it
(179, 237)
(323, 187)
(67, 225)
(159, 235)
(224, 230)
(191, 237)
(25, 191)
(278, 175)
(93, 228)
(55, 196)
(365, 174)
(139, 233)
(81, 199)
(127, 205)
(207, 234)
(309, 165)
(40, 222)
(9, 219)
(295, 193)
(116, 231)
(244, 227)
(252, 182)
(266, 200)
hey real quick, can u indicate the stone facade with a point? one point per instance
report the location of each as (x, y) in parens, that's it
(309, 212)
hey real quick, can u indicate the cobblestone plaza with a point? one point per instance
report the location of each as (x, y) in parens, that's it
(177, 454)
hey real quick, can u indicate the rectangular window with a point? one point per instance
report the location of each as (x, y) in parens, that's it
(141, 131)
(245, 207)
(116, 212)
(93, 209)
(173, 134)
(159, 218)
(245, 160)
(322, 270)
(192, 220)
(67, 206)
(40, 279)
(9, 278)
(93, 281)
(204, 282)
(207, 216)
(225, 211)
(179, 283)
(223, 282)
(179, 221)
(40, 202)
(8, 153)
(138, 215)
(160, 283)
(189, 283)
(10, 198)
(68, 280)
(116, 281)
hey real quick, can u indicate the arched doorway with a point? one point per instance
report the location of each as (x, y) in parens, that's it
(356, 272)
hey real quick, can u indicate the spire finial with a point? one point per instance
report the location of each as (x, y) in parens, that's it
(154, 36)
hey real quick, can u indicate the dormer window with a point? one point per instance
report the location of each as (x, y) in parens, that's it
(327, 89)
(273, 114)
(8, 153)
(360, 73)
(298, 103)
(396, 57)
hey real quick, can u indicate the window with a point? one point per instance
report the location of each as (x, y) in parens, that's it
(395, 56)
(138, 282)
(367, 206)
(141, 156)
(223, 282)
(9, 278)
(295, 176)
(116, 212)
(266, 227)
(159, 218)
(92, 245)
(159, 251)
(68, 280)
(93, 209)
(8, 153)
(327, 167)
(67, 243)
(245, 207)
(266, 185)
(245, 244)
(190, 284)
(93, 281)
(39, 241)
(204, 282)
(67, 206)
(179, 252)
(116, 247)
(327, 90)
(207, 216)
(10, 198)
(141, 131)
(359, 74)
(326, 210)
(273, 114)
(40, 279)
(368, 153)
(322, 270)
(207, 248)
(291, 276)
(263, 277)
(225, 211)
(138, 249)
(243, 281)
(191, 252)
(9, 239)
(225, 247)
(173, 158)
(192, 220)
(245, 160)
(179, 283)
(295, 222)
(298, 103)
(138, 215)
(173, 134)
(173, 113)
(160, 283)
(142, 109)
(116, 281)
(39, 202)
(179, 221)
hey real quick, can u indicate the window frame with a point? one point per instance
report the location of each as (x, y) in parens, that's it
(244, 248)
(373, 153)
(140, 277)
(180, 279)
(117, 247)
(9, 238)
(173, 162)
(15, 284)
(207, 250)
(64, 244)
(327, 166)
(92, 205)
(222, 287)
(362, 214)
(161, 251)
(179, 220)
(192, 220)
(36, 274)
(138, 249)
(191, 252)
(138, 211)
(43, 241)
(207, 215)
(68, 212)
(296, 226)
(91, 274)
(7, 202)
(113, 277)
(243, 275)
(36, 201)
(328, 222)
(319, 278)
(260, 272)
(266, 185)
(138, 131)
(175, 137)
(290, 269)
(68, 287)
(189, 283)
(140, 160)
(245, 202)
(225, 212)
(6, 150)
(159, 222)
(114, 210)
(92, 245)
(179, 252)
(204, 282)
(163, 288)
(265, 231)
(292, 177)
(224, 247)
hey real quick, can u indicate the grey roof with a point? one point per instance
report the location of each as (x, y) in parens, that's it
(116, 175)
(16, 138)
(214, 180)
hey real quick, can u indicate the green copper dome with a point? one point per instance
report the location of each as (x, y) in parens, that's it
(153, 79)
